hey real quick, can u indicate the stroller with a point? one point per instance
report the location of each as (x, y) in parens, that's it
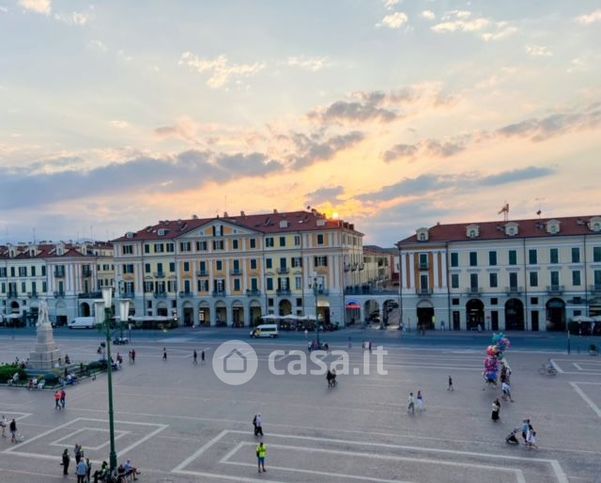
(512, 438)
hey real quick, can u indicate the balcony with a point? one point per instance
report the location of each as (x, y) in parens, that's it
(90, 295)
(283, 270)
(186, 294)
(12, 294)
(159, 274)
(423, 292)
(369, 290)
(253, 292)
(474, 291)
(514, 291)
(59, 274)
(235, 271)
(125, 295)
(160, 295)
(218, 293)
(424, 266)
(282, 292)
(595, 289)
(59, 294)
(555, 289)
(202, 273)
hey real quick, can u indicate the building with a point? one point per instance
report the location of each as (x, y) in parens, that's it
(231, 270)
(531, 275)
(68, 275)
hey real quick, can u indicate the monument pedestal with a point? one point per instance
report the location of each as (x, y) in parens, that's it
(46, 353)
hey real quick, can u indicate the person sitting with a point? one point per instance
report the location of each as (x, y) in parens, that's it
(103, 473)
(131, 470)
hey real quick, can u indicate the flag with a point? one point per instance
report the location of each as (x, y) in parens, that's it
(538, 212)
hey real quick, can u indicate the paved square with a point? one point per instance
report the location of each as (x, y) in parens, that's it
(179, 423)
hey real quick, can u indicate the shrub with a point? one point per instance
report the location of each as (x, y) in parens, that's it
(8, 371)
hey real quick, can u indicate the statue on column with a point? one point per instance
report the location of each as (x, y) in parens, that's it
(43, 318)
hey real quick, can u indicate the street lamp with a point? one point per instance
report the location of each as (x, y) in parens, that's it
(107, 296)
(315, 293)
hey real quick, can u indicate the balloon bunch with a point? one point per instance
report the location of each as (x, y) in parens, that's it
(494, 355)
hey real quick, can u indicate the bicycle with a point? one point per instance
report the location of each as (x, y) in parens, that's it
(547, 370)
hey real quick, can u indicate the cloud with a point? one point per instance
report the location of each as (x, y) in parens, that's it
(427, 147)
(98, 45)
(515, 176)
(400, 151)
(37, 6)
(538, 51)
(464, 21)
(419, 186)
(220, 70)
(390, 4)
(428, 15)
(312, 64)
(119, 124)
(190, 169)
(3, 9)
(393, 21)
(73, 18)
(323, 195)
(590, 18)
(310, 150)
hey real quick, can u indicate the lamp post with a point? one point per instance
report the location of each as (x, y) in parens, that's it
(315, 293)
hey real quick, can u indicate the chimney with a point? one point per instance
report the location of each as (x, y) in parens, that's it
(242, 213)
(275, 212)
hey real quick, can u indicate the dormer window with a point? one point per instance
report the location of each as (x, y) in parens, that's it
(422, 234)
(283, 223)
(595, 224)
(162, 232)
(511, 229)
(552, 227)
(473, 231)
(321, 222)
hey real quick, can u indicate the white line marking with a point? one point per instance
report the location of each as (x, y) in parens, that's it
(198, 452)
(587, 400)
(118, 435)
(556, 366)
(41, 435)
(577, 366)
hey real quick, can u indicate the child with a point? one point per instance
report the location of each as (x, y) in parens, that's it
(531, 439)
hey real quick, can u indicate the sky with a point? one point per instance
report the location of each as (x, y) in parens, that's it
(391, 114)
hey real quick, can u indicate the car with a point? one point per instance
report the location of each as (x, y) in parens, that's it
(265, 330)
(82, 323)
(120, 340)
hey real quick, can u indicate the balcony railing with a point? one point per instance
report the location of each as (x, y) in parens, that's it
(514, 290)
(283, 270)
(595, 288)
(160, 295)
(424, 292)
(253, 292)
(475, 291)
(186, 294)
(369, 290)
(59, 273)
(235, 271)
(125, 295)
(159, 274)
(424, 266)
(218, 293)
(282, 292)
(555, 289)
(202, 273)
(59, 294)
(90, 295)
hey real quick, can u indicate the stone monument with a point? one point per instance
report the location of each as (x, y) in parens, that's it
(46, 354)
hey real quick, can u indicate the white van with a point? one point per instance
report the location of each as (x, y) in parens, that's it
(265, 330)
(82, 323)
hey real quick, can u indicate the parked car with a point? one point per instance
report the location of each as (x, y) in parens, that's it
(265, 330)
(82, 323)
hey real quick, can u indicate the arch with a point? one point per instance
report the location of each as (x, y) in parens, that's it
(514, 314)
(15, 308)
(84, 309)
(425, 315)
(237, 314)
(391, 311)
(284, 307)
(556, 315)
(255, 312)
(323, 311)
(162, 309)
(371, 310)
(60, 313)
(352, 312)
(220, 314)
(204, 314)
(188, 313)
(474, 310)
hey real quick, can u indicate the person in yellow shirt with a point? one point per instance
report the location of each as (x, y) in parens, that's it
(261, 454)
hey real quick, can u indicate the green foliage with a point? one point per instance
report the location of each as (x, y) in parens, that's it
(8, 371)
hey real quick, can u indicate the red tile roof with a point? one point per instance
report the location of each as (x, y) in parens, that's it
(495, 230)
(48, 250)
(262, 223)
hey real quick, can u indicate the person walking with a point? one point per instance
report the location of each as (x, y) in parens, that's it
(420, 402)
(88, 470)
(496, 409)
(411, 404)
(450, 386)
(506, 389)
(525, 428)
(133, 356)
(261, 455)
(164, 354)
(78, 452)
(65, 462)
(13, 431)
(63, 398)
(81, 470)
(258, 421)
(57, 400)
(202, 356)
(195, 357)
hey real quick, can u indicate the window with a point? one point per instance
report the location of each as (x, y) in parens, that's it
(43, 270)
(128, 268)
(159, 248)
(186, 266)
(269, 242)
(597, 278)
(254, 284)
(170, 247)
(554, 279)
(253, 263)
(596, 254)
(22, 271)
(282, 241)
(201, 246)
(554, 255)
(234, 244)
(236, 285)
(299, 302)
(185, 247)
(172, 267)
(297, 240)
(268, 263)
(147, 248)
(297, 262)
(270, 303)
(494, 301)
(33, 271)
(253, 243)
(147, 268)
(12, 271)
(423, 282)
(575, 255)
(576, 278)
(320, 239)
(218, 265)
(454, 259)
(513, 280)
(269, 282)
(493, 280)
(128, 249)
(513, 257)
(474, 281)
(320, 261)
(237, 266)
(473, 259)
(23, 287)
(533, 300)
(492, 258)
(217, 244)
(454, 301)
(454, 280)
(203, 285)
(3, 272)
(298, 283)
(202, 266)
(533, 279)
(532, 256)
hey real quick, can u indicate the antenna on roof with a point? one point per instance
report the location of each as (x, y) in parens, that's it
(505, 211)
